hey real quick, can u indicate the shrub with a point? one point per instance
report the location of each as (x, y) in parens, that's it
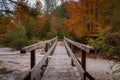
(17, 37)
(101, 47)
(30, 28)
(113, 40)
(51, 35)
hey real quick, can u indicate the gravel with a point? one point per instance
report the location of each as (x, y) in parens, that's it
(14, 65)
(100, 69)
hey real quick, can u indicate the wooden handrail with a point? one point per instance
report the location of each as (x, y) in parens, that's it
(81, 66)
(36, 46)
(35, 68)
(86, 48)
(77, 64)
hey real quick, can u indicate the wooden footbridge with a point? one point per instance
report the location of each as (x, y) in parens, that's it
(58, 61)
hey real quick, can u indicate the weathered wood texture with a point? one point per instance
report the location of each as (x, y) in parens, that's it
(37, 69)
(37, 45)
(76, 62)
(32, 58)
(59, 66)
(81, 66)
(86, 48)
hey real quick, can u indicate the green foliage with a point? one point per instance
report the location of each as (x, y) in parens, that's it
(29, 27)
(1, 19)
(62, 12)
(60, 35)
(101, 48)
(34, 12)
(51, 35)
(17, 37)
(113, 40)
(106, 45)
(100, 45)
(44, 31)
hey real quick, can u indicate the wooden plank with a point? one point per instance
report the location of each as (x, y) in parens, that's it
(36, 70)
(59, 66)
(86, 48)
(79, 67)
(26, 76)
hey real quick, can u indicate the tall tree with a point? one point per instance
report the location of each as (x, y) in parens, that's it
(38, 5)
(77, 19)
(21, 9)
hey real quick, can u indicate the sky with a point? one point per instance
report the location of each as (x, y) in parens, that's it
(33, 1)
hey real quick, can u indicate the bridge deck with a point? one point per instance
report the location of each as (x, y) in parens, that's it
(59, 66)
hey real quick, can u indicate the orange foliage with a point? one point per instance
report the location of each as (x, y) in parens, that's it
(84, 19)
(40, 21)
(21, 12)
(76, 22)
(6, 26)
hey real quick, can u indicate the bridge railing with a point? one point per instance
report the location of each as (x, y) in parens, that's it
(38, 69)
(81, 66)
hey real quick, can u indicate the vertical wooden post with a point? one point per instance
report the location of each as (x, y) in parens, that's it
(67, 49)
(83, 77)
(46, 47)
(28, 77)
(72, 62)
(83, 60)
(32, 58)
(46, 62)
(50, 44)
(83, 63)
(71, 46)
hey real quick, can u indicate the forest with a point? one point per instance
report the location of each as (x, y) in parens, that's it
(92, 22)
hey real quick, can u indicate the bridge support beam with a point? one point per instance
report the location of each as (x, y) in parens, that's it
(32, 58)
(83, 59)
(46, 47)
(72, 62)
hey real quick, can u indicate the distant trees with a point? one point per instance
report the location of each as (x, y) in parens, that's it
(5, 26)
(18, 29)
(88, 21)
(95, 23)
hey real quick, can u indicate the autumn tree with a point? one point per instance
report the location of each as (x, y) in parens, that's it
(5, 26)
(49, 7)
(23, 19)
(57, 20)
(76, 22)
(21, 11)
